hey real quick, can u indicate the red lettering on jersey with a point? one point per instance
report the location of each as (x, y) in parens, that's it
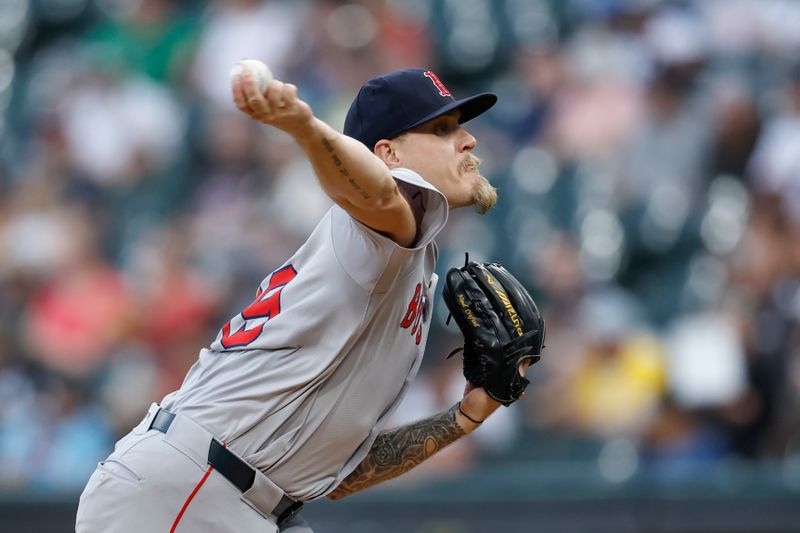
(413, 316)
(444, 91)
(413, 308)
(268, 307)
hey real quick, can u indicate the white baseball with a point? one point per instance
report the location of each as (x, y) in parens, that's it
(260, 72)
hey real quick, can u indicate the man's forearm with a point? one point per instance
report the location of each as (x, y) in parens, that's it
(346, 169)
(398, 450)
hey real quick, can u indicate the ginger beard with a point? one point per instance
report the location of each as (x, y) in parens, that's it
(484, 196)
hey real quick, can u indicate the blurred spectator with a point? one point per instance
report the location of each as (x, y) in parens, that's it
(239, 29)
(681, 445)
(776, 161)
(52, 441)
(618, 383)
(176, 307)
(672, 144)
(738, 128)
(120, 127)
(766, 317)
(153, 37)
(78, 313)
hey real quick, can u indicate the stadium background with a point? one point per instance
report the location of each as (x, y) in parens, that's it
(647, 156)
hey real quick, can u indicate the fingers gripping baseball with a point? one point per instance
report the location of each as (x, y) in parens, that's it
(278, 106)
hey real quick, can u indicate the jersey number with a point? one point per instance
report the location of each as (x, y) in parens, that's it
(267, 304)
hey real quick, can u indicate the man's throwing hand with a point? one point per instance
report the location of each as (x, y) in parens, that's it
(278, 106)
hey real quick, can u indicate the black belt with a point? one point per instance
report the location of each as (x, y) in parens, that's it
(234, 469)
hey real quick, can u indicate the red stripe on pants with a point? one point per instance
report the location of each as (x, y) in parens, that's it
(189, 499)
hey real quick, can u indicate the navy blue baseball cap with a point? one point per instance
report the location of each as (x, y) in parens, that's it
(389, 105)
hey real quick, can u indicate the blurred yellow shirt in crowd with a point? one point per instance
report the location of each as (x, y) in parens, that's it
(617, 386)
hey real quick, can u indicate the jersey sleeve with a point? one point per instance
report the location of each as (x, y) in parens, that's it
(425, 200)
(365, 254)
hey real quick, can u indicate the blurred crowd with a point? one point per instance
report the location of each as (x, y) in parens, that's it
(646, 153)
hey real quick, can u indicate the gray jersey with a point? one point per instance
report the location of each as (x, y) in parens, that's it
(301, 382)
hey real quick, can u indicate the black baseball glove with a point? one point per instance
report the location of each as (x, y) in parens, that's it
(501, 325)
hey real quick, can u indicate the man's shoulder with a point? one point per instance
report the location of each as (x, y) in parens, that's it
(411, 177)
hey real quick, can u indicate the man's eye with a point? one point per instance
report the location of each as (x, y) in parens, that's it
(442, 128)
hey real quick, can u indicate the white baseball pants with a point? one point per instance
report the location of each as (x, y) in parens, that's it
(162, 483)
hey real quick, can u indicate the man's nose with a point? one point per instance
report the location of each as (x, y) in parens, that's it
(468, 142)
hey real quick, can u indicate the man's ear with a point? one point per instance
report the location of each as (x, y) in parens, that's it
(386, 152)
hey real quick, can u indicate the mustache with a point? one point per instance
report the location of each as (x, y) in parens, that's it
(470, 163)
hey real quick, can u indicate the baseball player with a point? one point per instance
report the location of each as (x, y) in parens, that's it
(287, 405)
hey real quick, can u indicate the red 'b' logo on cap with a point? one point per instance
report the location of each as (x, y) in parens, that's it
(437, 82)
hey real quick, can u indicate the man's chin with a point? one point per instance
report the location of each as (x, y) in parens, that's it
(484, 196)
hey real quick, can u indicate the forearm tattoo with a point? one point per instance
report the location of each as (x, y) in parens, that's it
(398, 450)
(343, 170)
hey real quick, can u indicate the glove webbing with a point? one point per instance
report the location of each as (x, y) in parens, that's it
(449, 314)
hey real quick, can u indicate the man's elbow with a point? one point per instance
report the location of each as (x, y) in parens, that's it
(337, 494)
(388, 196)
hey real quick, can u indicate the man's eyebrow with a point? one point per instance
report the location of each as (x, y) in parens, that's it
(446, 117)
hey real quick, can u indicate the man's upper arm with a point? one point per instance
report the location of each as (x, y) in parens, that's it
(390, 215)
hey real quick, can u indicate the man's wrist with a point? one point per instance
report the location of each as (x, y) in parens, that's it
(303, 133)
(465, 415)
(476, 406)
